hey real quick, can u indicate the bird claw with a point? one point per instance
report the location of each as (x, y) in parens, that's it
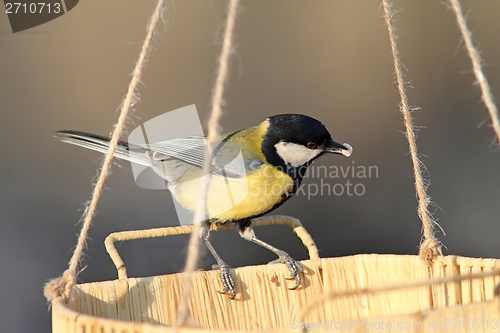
(226, 279)
(293, 266)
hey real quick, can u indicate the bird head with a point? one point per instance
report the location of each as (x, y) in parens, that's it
(295, 140)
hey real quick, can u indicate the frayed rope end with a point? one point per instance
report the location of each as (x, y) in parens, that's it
(60, 286)
(430, 250)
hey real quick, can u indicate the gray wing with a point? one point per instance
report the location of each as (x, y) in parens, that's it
(230, 159)
(173, 157)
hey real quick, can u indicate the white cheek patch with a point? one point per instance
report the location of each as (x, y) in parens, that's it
(295, 154)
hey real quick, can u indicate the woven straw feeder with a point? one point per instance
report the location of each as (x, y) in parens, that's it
(356, 293)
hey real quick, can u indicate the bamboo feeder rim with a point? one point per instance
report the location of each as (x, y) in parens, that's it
(64, 310)
(486, 267)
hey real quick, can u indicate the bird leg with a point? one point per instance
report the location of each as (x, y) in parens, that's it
(225, 273)
(246, 231)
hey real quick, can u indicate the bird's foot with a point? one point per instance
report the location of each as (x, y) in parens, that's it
(293, 266)
(226, 279)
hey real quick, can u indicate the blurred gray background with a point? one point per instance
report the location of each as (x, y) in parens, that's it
(328, 59)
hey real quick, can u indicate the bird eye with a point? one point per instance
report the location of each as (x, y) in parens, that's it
(312, 145)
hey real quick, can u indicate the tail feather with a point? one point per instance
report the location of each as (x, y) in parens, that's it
(124, 151)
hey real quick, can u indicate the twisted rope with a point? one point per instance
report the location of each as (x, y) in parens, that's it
(430, 247)
(475, 58)
(62, 285)
(213, 135)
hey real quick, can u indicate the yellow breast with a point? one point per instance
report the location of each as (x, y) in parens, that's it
(232, 199)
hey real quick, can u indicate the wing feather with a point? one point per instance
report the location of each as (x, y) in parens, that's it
(228, 160)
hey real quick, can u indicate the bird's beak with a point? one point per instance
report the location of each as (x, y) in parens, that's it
(337, 148)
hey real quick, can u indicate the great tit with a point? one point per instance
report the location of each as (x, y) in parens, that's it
(274, 154)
